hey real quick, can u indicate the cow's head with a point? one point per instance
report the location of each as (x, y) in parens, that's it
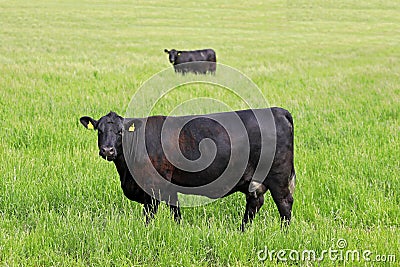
(110, 129)
(173, 54)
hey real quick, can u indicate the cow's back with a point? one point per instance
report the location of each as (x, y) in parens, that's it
(196, 55)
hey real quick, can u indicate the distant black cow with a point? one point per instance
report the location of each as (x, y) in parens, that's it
(280, 179)
(196, 61)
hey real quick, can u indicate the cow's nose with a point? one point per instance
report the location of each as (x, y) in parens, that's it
(108, 151)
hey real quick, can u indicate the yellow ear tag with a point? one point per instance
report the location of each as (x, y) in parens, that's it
(90, 126)
(132, 128)
(179, 53)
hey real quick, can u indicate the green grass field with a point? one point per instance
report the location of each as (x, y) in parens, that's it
(335, 65)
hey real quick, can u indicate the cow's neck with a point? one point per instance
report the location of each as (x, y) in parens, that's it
(122, 168)
(128, 184)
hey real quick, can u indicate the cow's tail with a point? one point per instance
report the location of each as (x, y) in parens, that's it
(292, 181)
(211, 56)
(292, 178)
(289, 117)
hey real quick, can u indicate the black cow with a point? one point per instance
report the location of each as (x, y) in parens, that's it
(279, 179)
(196, 61)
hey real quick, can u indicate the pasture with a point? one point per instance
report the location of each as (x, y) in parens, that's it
(335, 65)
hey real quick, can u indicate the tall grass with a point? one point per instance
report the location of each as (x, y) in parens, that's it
(334, 65)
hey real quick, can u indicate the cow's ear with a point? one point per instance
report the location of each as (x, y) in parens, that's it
(88, 122)
(166, 51)
(131, 125)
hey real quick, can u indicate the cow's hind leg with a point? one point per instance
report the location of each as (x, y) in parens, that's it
(173, 204)
(283, 199)
(254, 201)
(176, 212)
(150, 209)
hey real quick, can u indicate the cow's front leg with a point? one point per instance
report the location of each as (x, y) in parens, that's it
(150, 208)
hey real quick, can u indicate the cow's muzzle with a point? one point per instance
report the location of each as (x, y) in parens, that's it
(108, 153)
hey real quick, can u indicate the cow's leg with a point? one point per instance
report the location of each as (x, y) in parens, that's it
(150, 208)
(173, 204)
(254, 201)
(284, 201)
(176, 211)
(253, 205)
